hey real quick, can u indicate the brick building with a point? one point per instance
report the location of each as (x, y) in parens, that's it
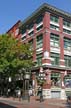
(48, 30)
(14, 30)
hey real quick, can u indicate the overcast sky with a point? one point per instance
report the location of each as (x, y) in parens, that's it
(13, 10)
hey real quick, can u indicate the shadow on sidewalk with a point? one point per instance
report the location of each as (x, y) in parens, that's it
(3, 105)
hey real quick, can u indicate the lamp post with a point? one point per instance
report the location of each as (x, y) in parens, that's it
(10, 79)
(26, 78)
(9, 89)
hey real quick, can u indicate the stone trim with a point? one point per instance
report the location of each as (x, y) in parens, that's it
(62, 60)
(46, 64)
(62, 66)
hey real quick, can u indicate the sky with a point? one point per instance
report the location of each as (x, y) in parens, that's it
(13, 10)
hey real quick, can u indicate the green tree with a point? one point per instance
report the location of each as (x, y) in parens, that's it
(14, 55)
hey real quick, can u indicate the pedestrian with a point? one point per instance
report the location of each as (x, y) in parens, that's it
(30, 92)
(40, 93)
(19, 94)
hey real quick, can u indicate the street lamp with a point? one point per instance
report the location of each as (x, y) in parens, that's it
(10, 79)
(26, 78)
(9, 86)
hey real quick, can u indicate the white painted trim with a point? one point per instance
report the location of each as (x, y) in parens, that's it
(46, 64)
(57, 29)
(66, 52)
(56, 24)
(30, 30)
(62, 60)
(41, 23)
(16, 32)
(40, 49)
(67, 28)
(23, 35)
(46, 58)
(55, 50)
(62, 66)
(52, 59)
(68, 89)
(55, 89)
(67, 33)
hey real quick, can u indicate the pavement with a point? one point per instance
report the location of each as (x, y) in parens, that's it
(49, 103)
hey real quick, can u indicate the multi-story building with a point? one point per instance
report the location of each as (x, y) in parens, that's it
(48, 30)
(14, 30)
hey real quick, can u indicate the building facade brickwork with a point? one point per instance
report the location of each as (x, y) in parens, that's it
(48, 30)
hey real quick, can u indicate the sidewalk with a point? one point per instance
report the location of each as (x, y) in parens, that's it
(50, 103)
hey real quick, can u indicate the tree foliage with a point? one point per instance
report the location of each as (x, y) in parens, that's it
(14, 55)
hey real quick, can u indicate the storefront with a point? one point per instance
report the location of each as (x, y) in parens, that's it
(57, 83)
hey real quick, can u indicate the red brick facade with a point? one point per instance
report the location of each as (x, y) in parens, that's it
(46, 31)
(14, 30)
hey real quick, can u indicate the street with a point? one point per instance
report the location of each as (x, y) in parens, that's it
(3, 105)
(50, 103)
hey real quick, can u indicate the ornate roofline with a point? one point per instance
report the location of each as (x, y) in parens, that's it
(48, 8)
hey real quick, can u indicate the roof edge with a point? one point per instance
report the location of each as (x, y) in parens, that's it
(19, 21)
(48, 6)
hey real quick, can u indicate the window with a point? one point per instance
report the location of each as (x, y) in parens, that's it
(30, 26)
(67, 60)
(31, 33)
(31, 44)
(67, 31)
(67, 43)
(23, 38)
(17, 32)
(54, 19)
(55, 77)
(39, 28)
(67, 24)
(39, 59)
(54, 40)
(39, 19)
(39, 41)
(23, 31)
(55, 74)
(54, 27)
(55, 59)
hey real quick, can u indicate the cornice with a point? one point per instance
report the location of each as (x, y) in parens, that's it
(43, 8)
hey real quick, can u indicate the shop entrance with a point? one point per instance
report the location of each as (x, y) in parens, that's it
(55, 78)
